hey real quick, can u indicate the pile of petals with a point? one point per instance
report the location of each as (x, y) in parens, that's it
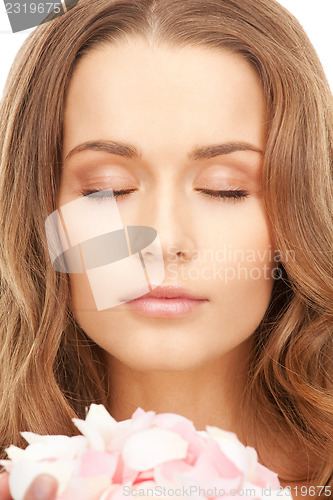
(150, 455)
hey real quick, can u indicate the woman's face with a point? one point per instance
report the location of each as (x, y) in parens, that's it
(196, 118)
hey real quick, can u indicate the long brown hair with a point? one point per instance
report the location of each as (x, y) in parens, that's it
(50, 370)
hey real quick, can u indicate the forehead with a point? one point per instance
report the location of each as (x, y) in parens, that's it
(163, 97)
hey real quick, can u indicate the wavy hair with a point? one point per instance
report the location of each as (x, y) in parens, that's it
(50, 370)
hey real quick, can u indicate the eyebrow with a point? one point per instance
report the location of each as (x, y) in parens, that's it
(130, 151)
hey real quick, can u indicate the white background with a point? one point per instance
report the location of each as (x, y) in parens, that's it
(316, 16)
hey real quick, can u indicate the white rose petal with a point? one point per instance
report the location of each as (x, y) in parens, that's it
(14, 453)
(148, 448)
(123, 425)
(99, 418)
(43, 447)
(111, 490)
(98, 427)
(252, 458)
(24, 472)
(244, 459)
(94, 437)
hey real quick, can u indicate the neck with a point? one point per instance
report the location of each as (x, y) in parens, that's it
(209, 394)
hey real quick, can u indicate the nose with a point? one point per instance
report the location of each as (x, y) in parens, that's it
(167, 211)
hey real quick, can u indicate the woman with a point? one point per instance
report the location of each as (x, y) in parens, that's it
(212, 123)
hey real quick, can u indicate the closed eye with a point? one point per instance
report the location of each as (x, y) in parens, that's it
(228, 195)
(103, 193)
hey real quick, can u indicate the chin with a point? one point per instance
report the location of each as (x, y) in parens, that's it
(171, 359)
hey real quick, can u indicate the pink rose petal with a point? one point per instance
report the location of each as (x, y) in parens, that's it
(145, 451)
(86, 488)
(94, 463)
(264, 477)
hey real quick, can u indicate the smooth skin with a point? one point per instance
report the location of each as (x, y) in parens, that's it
(167, 102)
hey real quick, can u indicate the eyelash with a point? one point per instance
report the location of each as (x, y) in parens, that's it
(117, 194)
(228, 195)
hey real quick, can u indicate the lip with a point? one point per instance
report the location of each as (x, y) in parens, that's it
(167, 302)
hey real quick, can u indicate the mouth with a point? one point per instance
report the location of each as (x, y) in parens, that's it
(167, 302)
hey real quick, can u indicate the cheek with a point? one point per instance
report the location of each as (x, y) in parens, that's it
(240, 266)
(238, 235)
(82, 300)
(96, 324)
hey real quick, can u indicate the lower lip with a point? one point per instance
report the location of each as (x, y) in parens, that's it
(165, 308)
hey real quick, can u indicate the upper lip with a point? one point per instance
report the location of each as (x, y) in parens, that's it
(173, 292)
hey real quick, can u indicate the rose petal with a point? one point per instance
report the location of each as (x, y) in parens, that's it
(95, 463)
(46, 447)
(151, 447)
(124, 474)
(95, 439)
(14, 453)
(110, 492)
(185, 428)
(232, 448)
(143, 420)
(265, 478)
(24, 472)
(138, 412)
(98, 427)
(99, 418)
(147, 475)
(252, 461)
(7, 464)
(167, 470)
(145, 451)
(90, 488)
